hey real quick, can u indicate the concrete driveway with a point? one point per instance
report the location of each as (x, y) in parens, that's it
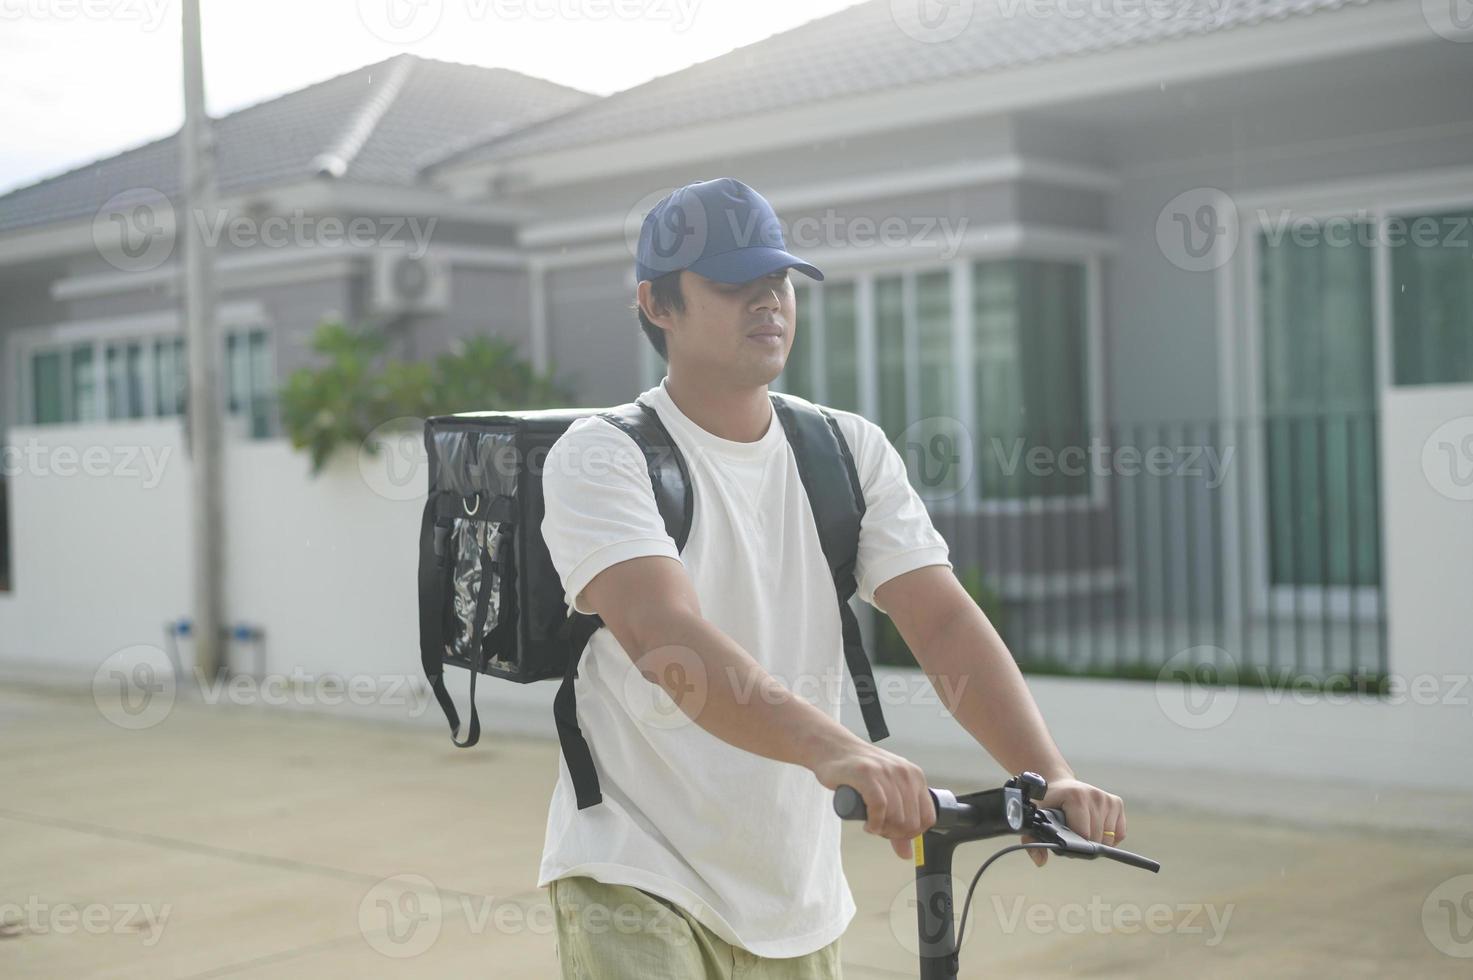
(246, 842)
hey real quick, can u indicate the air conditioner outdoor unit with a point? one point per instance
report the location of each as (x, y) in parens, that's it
(405, 283)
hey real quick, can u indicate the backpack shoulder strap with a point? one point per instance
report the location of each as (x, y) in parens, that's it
(675, 497)
(668, 472)
(831, 482)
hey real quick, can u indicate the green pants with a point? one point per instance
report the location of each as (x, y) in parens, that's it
(617, 932)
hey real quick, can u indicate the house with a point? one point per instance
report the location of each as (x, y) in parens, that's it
(1171, 316)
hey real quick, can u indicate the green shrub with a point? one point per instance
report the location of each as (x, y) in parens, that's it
(357, 389)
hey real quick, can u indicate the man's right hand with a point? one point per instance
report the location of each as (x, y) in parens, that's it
(897, 799)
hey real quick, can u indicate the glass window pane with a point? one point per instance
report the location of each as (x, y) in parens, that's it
(48, 402)
(86, 405)
(797, 377)
(169, 376)
(262, 383)
(1029, 373)
(890, 355)
(1054, 383)
(1319, 399)
(237, 372)
(935, 374)
(998, 393)
(135, 381)
(124, 381)
(841, 346)
(1432, 300)
(933, 324)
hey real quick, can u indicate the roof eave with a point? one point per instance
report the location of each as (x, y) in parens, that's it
(1229, 52)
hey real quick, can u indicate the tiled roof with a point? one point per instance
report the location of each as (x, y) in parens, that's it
(377, 124)
(867, 48)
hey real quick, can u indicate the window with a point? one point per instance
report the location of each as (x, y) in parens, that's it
(169, 376)
(85, 406)
(840, 317)
(146, 377)
(64, 385)
(48, 395)
(1319, 401)
(249, 380)
(1432, 299)
(797, 376)
(1028, 373)
(125, 384)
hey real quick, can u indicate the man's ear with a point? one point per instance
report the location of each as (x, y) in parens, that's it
(645, 296)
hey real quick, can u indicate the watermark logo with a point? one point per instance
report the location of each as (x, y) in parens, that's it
(37, 918)
(136, 230)
(1447, 917)
(1211, 464)
(666, 687)
(1365, 230)
(133, 231)
(939, 456)
(932, 21)
(1197, 688)
(1099, 916)
(928, 937)
(149, 14)
(1118, 11)
(1197, 231)
(393, 461)
(138, 686)
(1451, 20)
(404, 22)
(134, 688)
(401, 21)
(36, 459)
(1447, 458)
(401, 917)
(678, 233)
(941, 235)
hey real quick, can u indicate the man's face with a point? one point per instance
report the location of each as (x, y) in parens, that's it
(740, 332)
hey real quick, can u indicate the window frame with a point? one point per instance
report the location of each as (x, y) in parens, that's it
(25, 343)
(1241, 381)
(1084, 252)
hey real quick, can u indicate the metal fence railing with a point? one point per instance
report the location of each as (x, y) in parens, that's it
(1251, 546)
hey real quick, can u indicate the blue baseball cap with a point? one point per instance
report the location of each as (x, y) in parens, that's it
(720, 229)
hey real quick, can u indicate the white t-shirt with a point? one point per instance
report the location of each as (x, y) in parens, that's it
(749, 846)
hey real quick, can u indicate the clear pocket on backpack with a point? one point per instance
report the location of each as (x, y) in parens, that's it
(477, 588)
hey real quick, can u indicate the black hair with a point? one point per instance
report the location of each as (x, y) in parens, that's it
(665, 294)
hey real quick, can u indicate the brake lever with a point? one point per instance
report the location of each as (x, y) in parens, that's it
(1049, 826)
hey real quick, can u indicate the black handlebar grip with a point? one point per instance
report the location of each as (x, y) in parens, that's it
(849, 805)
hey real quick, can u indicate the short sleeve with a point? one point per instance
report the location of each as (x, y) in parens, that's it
(897, 535)
(600, 505)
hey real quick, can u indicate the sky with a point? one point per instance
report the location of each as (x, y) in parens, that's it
(84, 79)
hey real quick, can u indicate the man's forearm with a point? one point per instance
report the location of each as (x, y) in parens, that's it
(732, 696)
(978, 680)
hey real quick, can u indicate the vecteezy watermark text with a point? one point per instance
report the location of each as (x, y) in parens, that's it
(1099, 459)
(35, 917)
(408, 21)
(148, 14)
(35, 458)
(136, 230)
(137, 687)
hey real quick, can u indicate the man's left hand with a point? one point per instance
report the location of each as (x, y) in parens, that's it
(1089, 811)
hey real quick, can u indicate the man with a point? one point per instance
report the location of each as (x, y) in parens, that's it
(715, 851)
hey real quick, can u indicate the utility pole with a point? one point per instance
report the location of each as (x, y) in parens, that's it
(197, 183)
